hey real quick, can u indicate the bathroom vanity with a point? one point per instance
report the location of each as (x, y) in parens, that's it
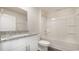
(20, 42)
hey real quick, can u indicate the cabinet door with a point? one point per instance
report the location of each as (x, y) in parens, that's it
(33, 42)
(7, 23)
(18, 44)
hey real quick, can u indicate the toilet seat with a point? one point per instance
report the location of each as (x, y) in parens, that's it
(44, 43)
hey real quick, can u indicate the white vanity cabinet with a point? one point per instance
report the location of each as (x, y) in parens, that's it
(29, 43)
(33, 42)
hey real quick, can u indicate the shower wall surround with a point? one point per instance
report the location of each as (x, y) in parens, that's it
(63, 30)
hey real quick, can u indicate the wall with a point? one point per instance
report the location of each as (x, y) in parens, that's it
(34, 19)
(21, 19)
(63, 33)
(43, 26)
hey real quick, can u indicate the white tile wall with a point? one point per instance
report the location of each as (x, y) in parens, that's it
(7, 23)
(63, 33)
(34, 19)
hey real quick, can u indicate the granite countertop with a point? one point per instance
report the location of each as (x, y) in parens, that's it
(14, 36)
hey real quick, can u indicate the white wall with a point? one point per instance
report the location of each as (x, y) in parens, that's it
(14, 20)
(63, 33)
(33, 19)
(7, 22)
(43, 26)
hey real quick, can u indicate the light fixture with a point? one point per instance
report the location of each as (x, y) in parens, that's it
(53, 18)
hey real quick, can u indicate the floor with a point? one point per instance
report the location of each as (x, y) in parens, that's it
(53, 49)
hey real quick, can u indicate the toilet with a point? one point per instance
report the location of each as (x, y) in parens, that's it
(43, 45)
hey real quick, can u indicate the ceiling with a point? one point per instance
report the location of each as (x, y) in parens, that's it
(52, 8)
(48, 10)
(16, 9)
